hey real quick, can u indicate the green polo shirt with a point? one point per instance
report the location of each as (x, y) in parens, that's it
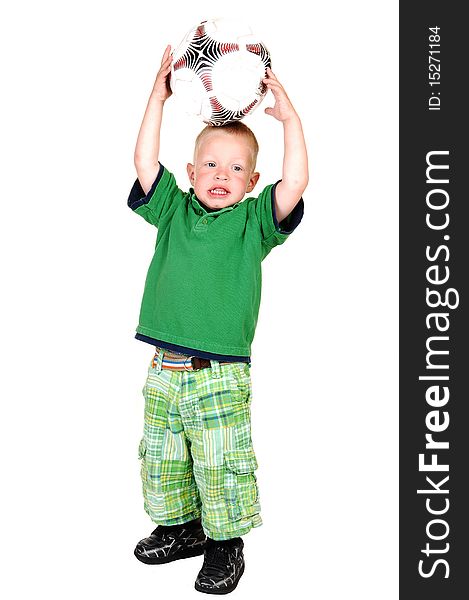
(203, 286)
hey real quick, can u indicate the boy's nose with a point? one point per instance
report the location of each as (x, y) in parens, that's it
(221, 175)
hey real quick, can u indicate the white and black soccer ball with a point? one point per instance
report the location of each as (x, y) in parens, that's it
(217, 71)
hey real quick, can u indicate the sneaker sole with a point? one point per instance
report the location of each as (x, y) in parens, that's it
(161, 560)
(220, 591)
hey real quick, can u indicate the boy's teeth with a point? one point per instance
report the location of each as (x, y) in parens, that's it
(218, 191)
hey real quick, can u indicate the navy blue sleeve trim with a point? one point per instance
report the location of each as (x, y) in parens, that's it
(137, 196)
(291, 221)
(191, 351)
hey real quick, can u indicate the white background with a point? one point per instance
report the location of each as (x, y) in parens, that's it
(76, 78)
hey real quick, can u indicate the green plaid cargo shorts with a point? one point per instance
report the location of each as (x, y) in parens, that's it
(196, 451)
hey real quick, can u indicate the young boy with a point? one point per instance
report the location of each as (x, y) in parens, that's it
(199, 310)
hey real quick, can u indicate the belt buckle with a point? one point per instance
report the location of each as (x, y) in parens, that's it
(192, 364)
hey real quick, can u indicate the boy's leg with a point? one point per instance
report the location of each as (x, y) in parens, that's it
(170, 494)
(221, 446)
(215, 407)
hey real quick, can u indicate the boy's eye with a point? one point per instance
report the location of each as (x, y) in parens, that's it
(210, 164)
(237, 168)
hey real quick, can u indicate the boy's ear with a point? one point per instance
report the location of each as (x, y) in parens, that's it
(191, 173)
(252, 182)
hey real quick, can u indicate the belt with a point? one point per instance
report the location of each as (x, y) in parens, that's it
(182, 362)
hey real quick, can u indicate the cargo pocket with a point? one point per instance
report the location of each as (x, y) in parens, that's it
(241, 379)
(241, 491)
(142, 448)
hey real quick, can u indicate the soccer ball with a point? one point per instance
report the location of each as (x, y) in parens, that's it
(217, 71)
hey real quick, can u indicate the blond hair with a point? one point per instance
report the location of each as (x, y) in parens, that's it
(233, 128)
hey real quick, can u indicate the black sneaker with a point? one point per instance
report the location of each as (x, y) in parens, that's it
(223, 566)
(168, 543)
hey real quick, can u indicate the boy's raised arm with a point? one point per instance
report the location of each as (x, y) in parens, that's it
(295, 160)
(148, 141)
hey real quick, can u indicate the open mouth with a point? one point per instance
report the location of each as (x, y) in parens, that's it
(218, 192)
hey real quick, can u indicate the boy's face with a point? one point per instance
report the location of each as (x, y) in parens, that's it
(223, 170)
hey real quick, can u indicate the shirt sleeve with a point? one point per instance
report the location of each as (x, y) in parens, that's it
(161, 201)
(274, 233)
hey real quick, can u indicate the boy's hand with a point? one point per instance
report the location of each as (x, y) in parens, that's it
(161, 87)
(283, 109)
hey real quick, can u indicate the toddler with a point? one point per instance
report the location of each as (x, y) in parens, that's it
(199, 309)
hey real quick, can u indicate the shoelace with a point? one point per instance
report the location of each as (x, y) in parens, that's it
(165, 530)
(216, 560)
